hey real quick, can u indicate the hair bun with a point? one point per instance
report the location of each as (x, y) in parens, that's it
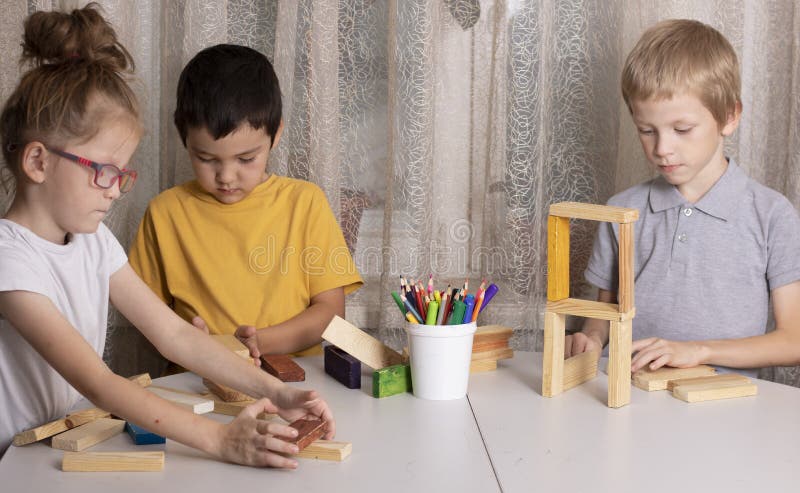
(81, 35)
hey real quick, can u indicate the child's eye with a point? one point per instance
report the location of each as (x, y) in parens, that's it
(645, 131)
(205, 159)
(683, 130)
(245, 160)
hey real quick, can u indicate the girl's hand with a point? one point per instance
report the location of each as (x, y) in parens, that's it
(655, 353)
(247, 336)
(255, 442)
(294, 403)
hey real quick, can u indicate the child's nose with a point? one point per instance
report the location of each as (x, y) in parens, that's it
(226, 173)
(112, 192)
(663, 146)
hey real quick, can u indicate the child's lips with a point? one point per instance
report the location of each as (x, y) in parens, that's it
(227, 191)
(668, 168)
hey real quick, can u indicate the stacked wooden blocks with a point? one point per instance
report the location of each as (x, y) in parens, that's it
(559, 374)
(490, 344)
(696, 384)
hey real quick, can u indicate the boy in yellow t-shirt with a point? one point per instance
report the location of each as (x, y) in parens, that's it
(239, 249)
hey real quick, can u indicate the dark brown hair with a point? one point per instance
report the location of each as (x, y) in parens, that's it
(78, 77)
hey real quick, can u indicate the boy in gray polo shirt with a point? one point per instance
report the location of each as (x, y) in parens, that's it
(712, 245)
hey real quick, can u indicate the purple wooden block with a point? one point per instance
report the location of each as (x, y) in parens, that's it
(343, 367)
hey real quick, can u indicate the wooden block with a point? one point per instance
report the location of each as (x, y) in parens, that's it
(712, 391)
(227, 394)
(619, 363)
(193, 402)
(326, 450)
(626, 289)
(491, 333)
(589, 309)
(553, 358)
(580, 368)
(308, 431)
(489, 346)
(40, 432)
(360, 345)
(140, 436)
(79, 418)
(87, 435)
(494, 354)
(143, 379)
(391, 380)
(112, 461)
(232, 343)
(343, 367)
(483, 365)
(718, 378)
(233, 408)
(557, 258)
(658, 379)
(594, 212)
(283, 367)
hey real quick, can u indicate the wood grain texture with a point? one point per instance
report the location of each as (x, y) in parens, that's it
(326, 450)
(557, 258)
(283, 367)
(233, 408)
(553, 357)
(40, 432)
(492, 333)
(626, 256)
(713, 391)
(619, 363)
(85, 436)
(718, 378)
(79, 418)
(580, 368)
(112, 461)
(143, 379)
(594, 212)
(360, 345)
(589, 309)
(494, 354)
(227, 394)
(482, 365)
(308, 431)
(651, 380)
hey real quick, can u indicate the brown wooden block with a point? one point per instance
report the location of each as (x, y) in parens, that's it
(227, 394)
(557, 258)
(650, 380)
(283, 367)
(308, 431)
(723, 377)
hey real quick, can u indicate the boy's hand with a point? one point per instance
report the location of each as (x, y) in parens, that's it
(655, 353)
(579, 342)
(294, 403)
(254, 442)
(198, 322)
(247, 336)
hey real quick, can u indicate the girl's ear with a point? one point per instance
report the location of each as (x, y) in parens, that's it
(34, 161)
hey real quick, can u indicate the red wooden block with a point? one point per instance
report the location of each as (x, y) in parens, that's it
(283, 368)
(308, 431)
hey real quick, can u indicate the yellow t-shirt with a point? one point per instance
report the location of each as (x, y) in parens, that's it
(256, 262)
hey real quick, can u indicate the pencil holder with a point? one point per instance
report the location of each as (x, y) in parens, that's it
(440, 357)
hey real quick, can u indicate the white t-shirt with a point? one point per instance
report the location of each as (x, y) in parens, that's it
(75, 277)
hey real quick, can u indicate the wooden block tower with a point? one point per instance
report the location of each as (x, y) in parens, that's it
(559, 375)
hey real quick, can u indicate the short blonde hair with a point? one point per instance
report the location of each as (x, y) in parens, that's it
(681, 55)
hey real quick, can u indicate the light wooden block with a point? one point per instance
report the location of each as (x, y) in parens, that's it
(483, 365)
(649, 380)
(713, 391)
(360, 345)
(326, 450)
(718, 378)
(580, 368)
(553, 362)
(143, 379)
(626, 257)
(233, 344)
(589, 309)
(195, 403)
(557, 258)
(489, 346)
(492, 333)
(233, 408)
(40, 432)
(112, 461)
(594, 212)
(619, 363)
(79, 418)
(85, 436)
(494, 354)
(227, 394)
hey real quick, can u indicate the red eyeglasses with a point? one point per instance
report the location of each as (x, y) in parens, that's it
(105, 175)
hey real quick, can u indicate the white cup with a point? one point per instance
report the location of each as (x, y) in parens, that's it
(440, 358)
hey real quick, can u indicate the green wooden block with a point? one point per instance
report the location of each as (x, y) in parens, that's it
(391, 380)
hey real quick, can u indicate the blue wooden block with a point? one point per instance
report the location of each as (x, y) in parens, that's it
(141, 436)
(343, 367)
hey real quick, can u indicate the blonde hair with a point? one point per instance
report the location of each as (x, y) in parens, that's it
(681, 55)
(78, 79)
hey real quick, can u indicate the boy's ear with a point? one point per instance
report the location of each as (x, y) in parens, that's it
(278, 134)
(34, 161)
(733, 120)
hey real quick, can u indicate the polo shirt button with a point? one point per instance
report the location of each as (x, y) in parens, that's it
(682, 237)
(687, 212)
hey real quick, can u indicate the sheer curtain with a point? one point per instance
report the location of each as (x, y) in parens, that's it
(441, 130)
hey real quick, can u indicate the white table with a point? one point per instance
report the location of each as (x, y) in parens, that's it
(573, 442)
(400, 444)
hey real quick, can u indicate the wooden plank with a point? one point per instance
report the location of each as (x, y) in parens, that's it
(233, 408)
(395, 379)
(594, 212)
(718, 378)
(308, 431)
(589, 309)
(343, 367)
(283, 367)
(651, 380)
(193, 402)
(553, 358)
(326, 450)
(233, 344)
(483, 365)
(580, 368)
(489, 346)
(557, 258)
(491, 333)
(87, 435)
(40, 432)
(713, 391)
(112, 461)
(227, 394)
(494, 354)
(619, 363)
(360, 345)
(143, 379)
(79, 418)
(140, 436)
(626, 258)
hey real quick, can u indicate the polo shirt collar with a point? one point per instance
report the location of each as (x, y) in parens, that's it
(721, 201)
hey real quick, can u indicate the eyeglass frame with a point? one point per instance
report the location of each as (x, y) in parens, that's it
(98, 169)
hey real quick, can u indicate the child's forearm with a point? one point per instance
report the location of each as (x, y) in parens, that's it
(778, 348)
(299, 332)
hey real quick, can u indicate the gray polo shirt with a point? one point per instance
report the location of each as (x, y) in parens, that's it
(703, 270)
